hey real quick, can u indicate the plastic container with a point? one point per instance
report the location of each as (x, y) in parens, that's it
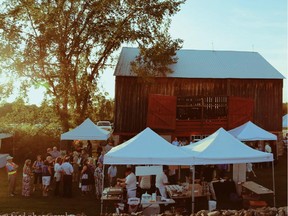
(212, 205)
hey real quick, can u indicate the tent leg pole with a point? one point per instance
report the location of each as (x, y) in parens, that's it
(192, 192)
(273, 179)
(102, 188)
(179, 173)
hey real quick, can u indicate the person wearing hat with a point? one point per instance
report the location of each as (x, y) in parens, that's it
(11, 168)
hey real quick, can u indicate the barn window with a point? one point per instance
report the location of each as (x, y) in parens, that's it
(198, 108)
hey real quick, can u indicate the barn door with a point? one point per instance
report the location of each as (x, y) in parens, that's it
(240, 110)
(161, 112)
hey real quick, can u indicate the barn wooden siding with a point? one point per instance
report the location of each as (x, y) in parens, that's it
(131, 98)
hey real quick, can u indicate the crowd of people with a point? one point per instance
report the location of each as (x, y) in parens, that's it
(52, 169)
(48, 171)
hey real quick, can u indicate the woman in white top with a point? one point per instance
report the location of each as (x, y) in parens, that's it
(145, 183)
(57, 175)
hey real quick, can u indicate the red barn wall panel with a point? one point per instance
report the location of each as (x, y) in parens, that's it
(161, 112)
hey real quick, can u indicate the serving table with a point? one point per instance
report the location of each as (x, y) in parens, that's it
(152, 207)
(182, 195)
(111, 195)
(256, 188)
(260, 195)
(158, 201)
(185, 191)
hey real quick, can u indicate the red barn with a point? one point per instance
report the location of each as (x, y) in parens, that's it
(207, 90)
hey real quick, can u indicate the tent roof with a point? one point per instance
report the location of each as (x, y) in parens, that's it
(147, 147)
(3, 160)
(5, 135)
(285, 121)
(222, 148)
(208, 64)
(86, 131)
(251, 132)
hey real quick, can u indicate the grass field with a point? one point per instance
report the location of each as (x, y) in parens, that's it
(90, 206)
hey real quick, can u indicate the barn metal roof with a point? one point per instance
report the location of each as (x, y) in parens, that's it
(208, 64)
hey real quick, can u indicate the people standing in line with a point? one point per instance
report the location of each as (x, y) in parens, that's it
(11, 168)
(89, 148)
(108, 147)
(85, 178)
(161, 181)
(130, 182)
(175, 142)
(98, 176)
(46, 177)
(250, 171)
(37, 171)
(91, 179)
(83, 157)
(222, 170)
(67, 170)
(208, 174)
(99, 150)
(26, 180)
(101, 157)
(48, 152)
(260, 146)
(50, 161)
(57, 175)
(55, 153)
(192, 141)
(112, 172)
(268, 149)
(76, 164)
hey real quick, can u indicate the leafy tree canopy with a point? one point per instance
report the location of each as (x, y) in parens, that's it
(63, 45)
(29, 119)
(42, 121)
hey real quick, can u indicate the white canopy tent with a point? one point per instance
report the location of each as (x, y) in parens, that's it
(147, 147)
(285, 121)
(5, 135)
(3, 157)
(251, 132)
(222, 148)
(86, 131)
(3, 160)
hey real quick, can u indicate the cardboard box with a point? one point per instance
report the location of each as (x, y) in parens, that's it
(151, 209)
(197, 189)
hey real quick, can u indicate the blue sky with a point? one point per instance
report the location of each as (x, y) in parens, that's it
(243, 25)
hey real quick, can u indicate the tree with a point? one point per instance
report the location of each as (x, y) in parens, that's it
(63, 45)
(34, 128)
(29, 119)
